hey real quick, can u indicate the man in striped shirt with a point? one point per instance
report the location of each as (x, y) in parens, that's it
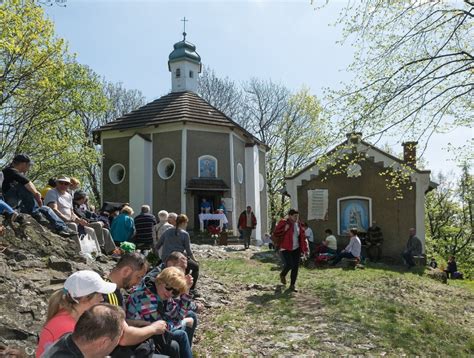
(144, 223)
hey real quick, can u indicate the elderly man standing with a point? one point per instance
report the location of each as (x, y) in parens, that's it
(144, 224)
(20, 192)
(413, 248)
(247, 222)
(60, 200)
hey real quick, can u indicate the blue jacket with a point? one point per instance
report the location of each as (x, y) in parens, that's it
(122, 228)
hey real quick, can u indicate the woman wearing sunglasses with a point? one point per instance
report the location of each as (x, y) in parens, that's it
(167, 298)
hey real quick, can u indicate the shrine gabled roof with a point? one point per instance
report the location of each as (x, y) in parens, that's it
(365, 145)
(184, 106)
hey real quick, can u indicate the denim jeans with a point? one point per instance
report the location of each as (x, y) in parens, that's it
(4, 207)
(342, 255)
(190, 330)
(21, 198)
(180, 336)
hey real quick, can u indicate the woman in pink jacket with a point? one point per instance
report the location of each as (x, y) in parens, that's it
(292, 246)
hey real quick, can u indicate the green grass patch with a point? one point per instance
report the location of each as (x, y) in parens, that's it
(364, 311)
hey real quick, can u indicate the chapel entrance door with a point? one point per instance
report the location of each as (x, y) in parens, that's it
(212, 197)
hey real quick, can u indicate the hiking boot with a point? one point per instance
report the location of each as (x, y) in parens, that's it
(292, 289)
(18, 218)
(282, 279)
(40, 218)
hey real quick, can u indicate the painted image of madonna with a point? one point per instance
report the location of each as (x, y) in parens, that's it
(354, 213)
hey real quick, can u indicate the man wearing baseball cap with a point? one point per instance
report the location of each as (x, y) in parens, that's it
(20, 192)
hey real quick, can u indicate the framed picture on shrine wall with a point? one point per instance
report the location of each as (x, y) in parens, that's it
(354, 212)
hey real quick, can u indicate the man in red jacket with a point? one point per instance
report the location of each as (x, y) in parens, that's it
(292, 246)
(247, 222)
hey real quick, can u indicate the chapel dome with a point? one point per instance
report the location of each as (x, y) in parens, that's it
(184, 50)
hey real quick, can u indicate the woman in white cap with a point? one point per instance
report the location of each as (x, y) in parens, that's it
(82, 290)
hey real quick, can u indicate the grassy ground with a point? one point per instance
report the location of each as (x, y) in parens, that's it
(377, 311)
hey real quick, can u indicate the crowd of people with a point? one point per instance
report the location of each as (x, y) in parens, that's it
(158, 315)
(91, 317)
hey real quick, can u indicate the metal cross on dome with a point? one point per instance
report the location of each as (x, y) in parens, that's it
(184, 20)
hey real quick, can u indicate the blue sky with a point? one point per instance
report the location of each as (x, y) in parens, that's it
(286, 41)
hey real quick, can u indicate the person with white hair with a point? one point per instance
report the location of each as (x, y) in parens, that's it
(167, 221)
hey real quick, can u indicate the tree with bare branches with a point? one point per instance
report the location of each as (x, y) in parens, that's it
(414, 67)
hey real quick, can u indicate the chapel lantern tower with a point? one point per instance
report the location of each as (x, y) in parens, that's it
(184, 63)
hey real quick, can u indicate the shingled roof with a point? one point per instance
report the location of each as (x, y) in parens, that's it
(184, 106)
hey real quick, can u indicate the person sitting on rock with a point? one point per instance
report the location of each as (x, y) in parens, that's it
(93, 220)
(154, 301)
(51, 185)
(413, 248)
(123, 227)
(452, 269)
(352, 250)
(177, 239)
(60, 200)
(82, 290)
(96, 334)
(20, 193)
(127, 273)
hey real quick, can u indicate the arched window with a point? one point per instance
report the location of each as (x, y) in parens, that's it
(207, 165)
(178, 73)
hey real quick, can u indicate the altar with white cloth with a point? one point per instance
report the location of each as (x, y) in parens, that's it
(221, 217)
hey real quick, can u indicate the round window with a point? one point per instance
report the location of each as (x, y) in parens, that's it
(117, 173)
(166, 168)
(240, 173)
(261, 182)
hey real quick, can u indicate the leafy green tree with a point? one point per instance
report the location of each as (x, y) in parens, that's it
(414, 66)
(32, 73)
(43, 92)
(449, 219)
(299, 136)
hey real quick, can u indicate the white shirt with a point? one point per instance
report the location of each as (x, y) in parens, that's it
(296, 234)
(63, 202)
(332, 242)
(354, 246)
(309, 234)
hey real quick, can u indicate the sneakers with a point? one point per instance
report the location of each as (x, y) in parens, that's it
(292, 289)
(67, 232)
(282, 279)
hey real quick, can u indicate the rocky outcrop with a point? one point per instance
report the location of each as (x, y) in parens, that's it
(34, 262)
